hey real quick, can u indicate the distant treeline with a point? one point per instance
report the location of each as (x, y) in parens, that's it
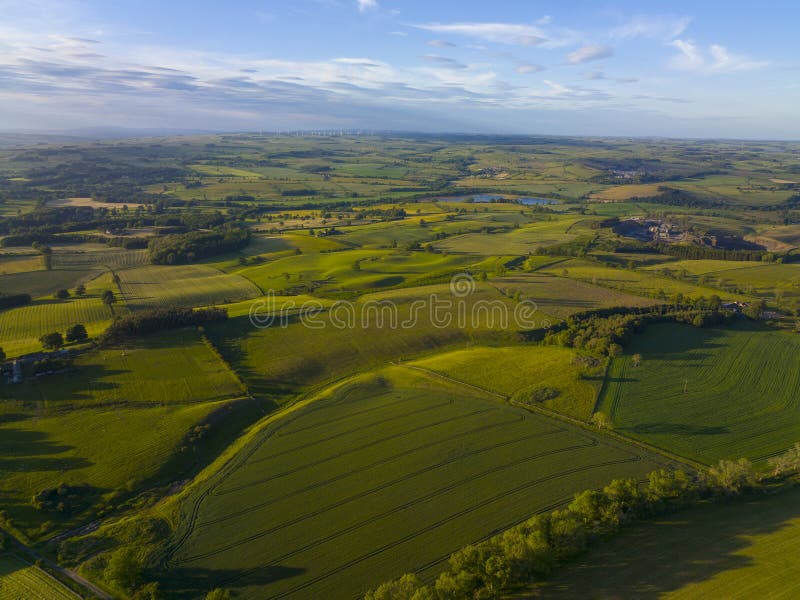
(181, 248)
(154, 321)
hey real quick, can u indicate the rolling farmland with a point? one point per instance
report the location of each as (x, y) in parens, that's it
(384, 476)
(708, 394)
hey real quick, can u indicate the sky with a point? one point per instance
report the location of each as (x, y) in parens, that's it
(677, 69)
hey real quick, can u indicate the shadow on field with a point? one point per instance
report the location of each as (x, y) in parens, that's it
(27, 450)
(676, 429)
(195, 583)
(690, 547)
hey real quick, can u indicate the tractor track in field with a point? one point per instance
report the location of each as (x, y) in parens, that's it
(341, 454)
(414, 534)
(429, 496)
(390, 459)
(355, 429)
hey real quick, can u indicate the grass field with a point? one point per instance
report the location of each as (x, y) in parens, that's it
(147, 371)
(20, 264)
(285, 358)
(741, 550)
(186, 285)
(522, 241)
(708, 394)
(383, 477)
(519, 372)
(20, 580)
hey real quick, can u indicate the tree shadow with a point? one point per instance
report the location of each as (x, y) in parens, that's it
(652, 559)
(676, 429)
(27, 450)
(196, 582)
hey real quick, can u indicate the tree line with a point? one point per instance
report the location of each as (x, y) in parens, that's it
(531, 551)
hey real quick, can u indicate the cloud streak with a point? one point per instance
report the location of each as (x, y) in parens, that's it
(716, 59)
(589, 53)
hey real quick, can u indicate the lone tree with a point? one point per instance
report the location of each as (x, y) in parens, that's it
(109, 298)
(637, 360)
(77, 333)
(62, 294)
(52, 341)
(80, 290)
(601, 421)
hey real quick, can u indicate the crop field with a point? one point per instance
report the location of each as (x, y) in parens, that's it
(561, 297)
(708, 394)
(20, 580)
(43, 283)
(766, 280)
(637, 282)
(383, 477)
(738, 550)
(519, 373)
(522, 241)
(186, 285)
(20, 264)
(102, 259)
(20, 328)
(626, 192)
(145, 372)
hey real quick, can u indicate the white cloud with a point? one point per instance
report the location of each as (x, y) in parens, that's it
(652, 26)
(367, 5)
(717, 59)
(587, 53)
(504, 33)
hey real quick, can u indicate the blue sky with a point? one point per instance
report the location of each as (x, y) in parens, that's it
(680, 69)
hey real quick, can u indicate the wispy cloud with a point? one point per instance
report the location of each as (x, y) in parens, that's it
(441, 44)
(450, 63)
(652, 26)
(589, 53)
(717, 59)
(502, 33)
(367, 5)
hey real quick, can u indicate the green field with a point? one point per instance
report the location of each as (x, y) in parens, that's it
(708, 394)
(381, 477)
(21, 327)
(188, 285)
(519, 372)
(43, 283)
(145, 372)
(741, 550)
(20, 580)
(99, 259)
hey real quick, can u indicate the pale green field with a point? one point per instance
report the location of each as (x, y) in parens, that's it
(515, 372)
(20, 580)
(185, 285)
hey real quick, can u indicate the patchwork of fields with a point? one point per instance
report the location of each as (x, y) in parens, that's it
(381, 478)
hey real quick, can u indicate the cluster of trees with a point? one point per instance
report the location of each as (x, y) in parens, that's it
(606, 334)
(188, 247)
(74, 335)
(154, 321)
(64, 499)
(531, 551)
